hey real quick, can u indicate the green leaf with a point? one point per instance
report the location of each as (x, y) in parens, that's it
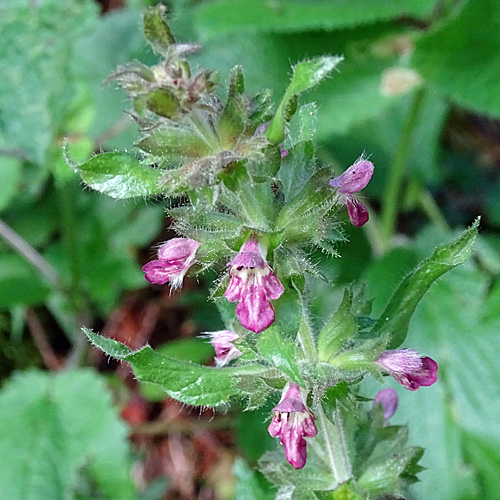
(292, 16)
(156, 29)
(233, 117)
(248, 486)
(187, 382)
(306, 75)
(462, 61)
(396, 317)
(37, 50)
(119, 175)
(280, 353)
(457, 324)
(57, 424)
(341, 327)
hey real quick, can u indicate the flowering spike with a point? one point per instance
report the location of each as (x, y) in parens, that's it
(292, 422)
(409, 368)
(175, 257)
(354, 179)
(253, 284)
(388, 398)
(225, 351)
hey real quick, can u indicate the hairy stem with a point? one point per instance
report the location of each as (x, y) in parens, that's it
(305, 334)
(397, 170)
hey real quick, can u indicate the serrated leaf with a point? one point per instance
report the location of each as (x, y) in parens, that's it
(306, 75)
(156, 29)
(280, 353)
(396, 317)
(58, 423)
(119, 175)
(462, 62)
(187, 382)
(341, 327)
(292, 16)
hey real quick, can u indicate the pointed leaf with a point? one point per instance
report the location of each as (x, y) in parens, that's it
(341, 327)
(187, 382)
(163, 103)
(119, 175)
(306, 75)
(280, 353)
(396, 317)
(156, 29)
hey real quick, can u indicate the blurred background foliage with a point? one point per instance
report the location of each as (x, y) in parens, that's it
(418, 91)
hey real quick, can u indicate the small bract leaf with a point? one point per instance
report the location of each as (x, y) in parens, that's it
(156, 29)
(280, 352)
(396, 317)
(306, 75)
(163, 103)
(119, 175)
(341, 327)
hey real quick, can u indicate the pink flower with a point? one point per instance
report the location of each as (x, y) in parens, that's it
(354, 179)
(253, 284)
(409, 368)
(175, 257)
(388, 398)
(292, 422)
(225, 351)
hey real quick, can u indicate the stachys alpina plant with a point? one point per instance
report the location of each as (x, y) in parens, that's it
(255, 203)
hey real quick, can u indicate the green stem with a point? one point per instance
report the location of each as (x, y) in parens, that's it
(204, 131)
(397, 170)
(431, 209)
(336, 446)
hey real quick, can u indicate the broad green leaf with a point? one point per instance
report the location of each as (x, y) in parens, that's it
(10, 178)
(462, 61)
(37, 49)
(396, 317)
(306, 75)
(187, 382)
(457, 324)
(119, 175)
(341, 327)
(163, 102)
(248, 486)
(292, 16)
(55, 425)
(280, 353)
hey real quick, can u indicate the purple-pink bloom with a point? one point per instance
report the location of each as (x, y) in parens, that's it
(175, 257)
(253, 284)
(292, 422)
(222, 342)
(284, 153)
(354, 179)
(388, 398)
(409, 368)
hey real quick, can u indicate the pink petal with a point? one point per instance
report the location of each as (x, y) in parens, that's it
(358, 213)
(272, 286)
(255, 311)
(156, 272)
(355, 178)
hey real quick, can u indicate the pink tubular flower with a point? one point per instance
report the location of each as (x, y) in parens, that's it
(388, 398)
(175, 257)
(225, 351)
(354, 179)
(292, 422)
(253, 284)
(409, 368)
